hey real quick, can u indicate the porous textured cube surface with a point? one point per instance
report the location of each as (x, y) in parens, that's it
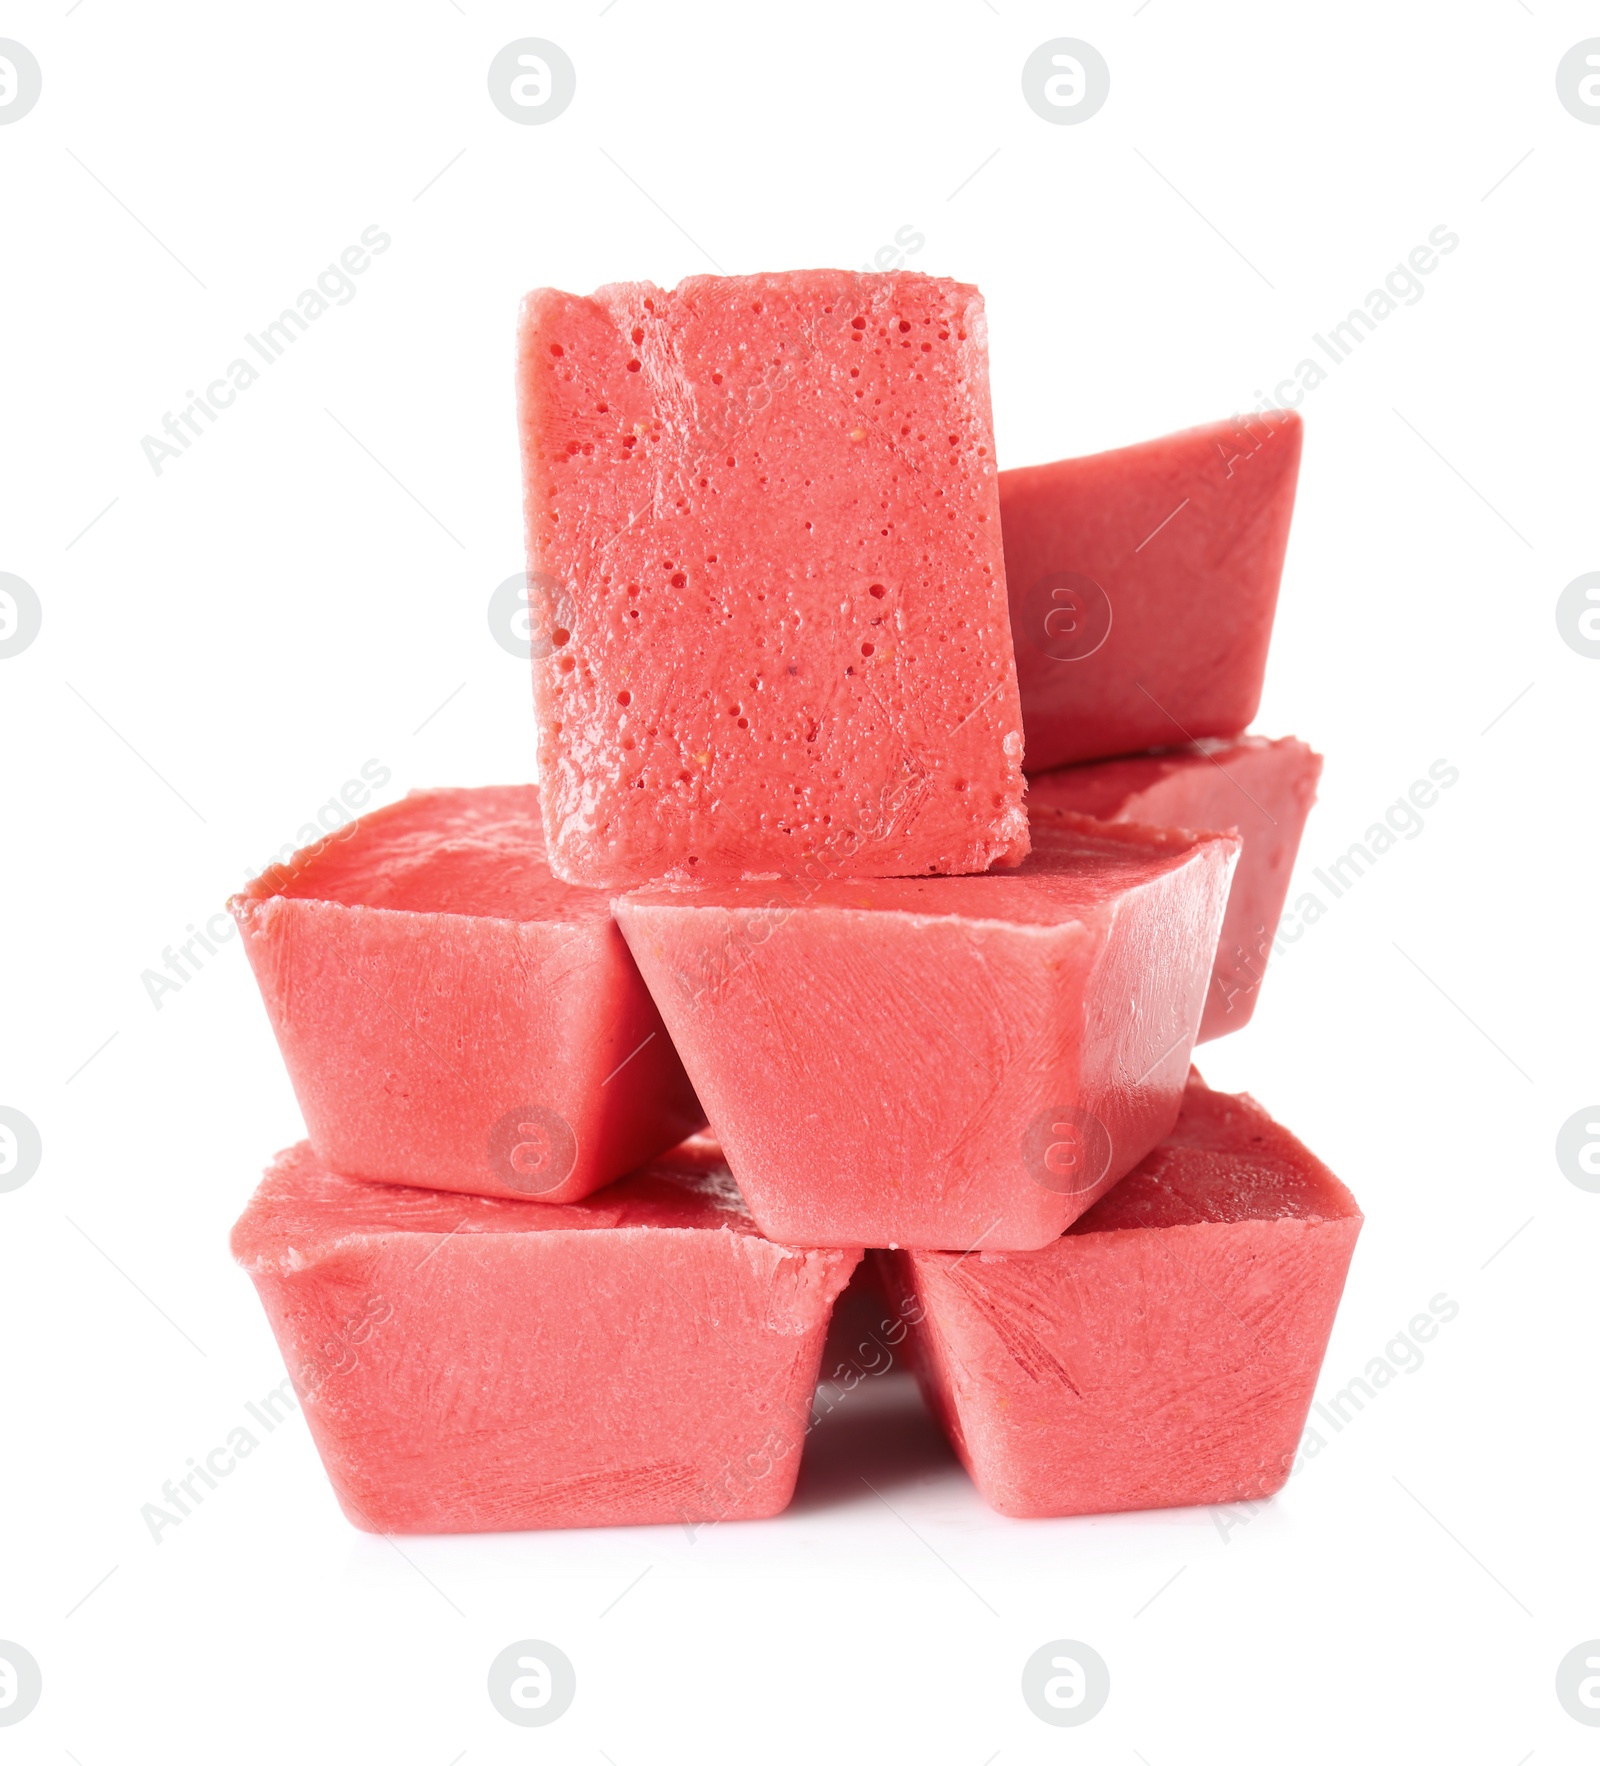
(1164, 1350)
(1261, 789)
(766, 579)
(1143, 584)
(451, 1014)
(942, 1061)
(470, 1364)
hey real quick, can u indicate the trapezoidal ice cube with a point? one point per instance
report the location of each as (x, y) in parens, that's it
(1164, 1350)
(453, 1016)
(1143, 583)
(942, 1061)
(766, 579)
(470, 1364)
(1262, 790)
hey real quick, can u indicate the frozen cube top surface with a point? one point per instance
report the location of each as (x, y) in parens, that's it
(1110, 789)
(768, 580)
(1225, 1161)
(1118, 790)
(303, 1210)
(477, 853)
(1076, 868)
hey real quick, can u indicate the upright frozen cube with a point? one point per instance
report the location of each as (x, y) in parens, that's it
(766, 579)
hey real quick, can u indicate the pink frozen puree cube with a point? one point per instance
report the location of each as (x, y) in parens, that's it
(469, 1364)
(942, 1061)
(1262, 790)
(1143, 584)
(1164, 1350)
(766, 579)
(451, 1015)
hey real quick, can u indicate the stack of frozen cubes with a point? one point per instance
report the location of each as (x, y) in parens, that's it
(611, 1081)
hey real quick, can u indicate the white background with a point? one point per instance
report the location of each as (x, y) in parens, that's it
(228, 642)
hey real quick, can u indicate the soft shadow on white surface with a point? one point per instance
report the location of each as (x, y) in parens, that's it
(878, 1437)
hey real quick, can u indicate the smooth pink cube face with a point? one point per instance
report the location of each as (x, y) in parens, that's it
(1143, 584)
(942, 1061)
(766, 580)
(452, 1015)
(1164, 1350)
(1261, 789)
(469, 1364)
